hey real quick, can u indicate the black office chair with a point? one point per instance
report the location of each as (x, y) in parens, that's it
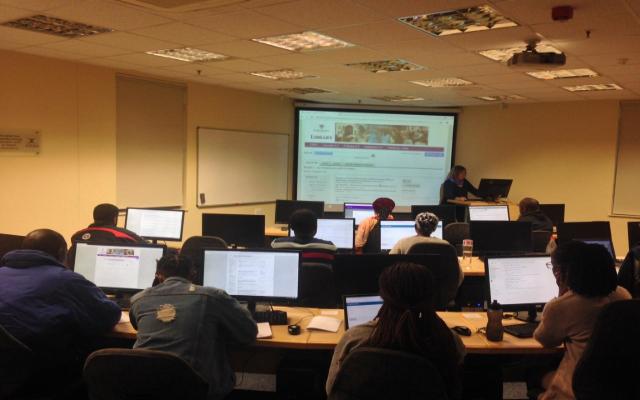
(455, 233)
(629, 274)
(193, 248)
(372, 374)
(540, 241)
(609, 365)
(447, 274)
(15, 365)
(317, 286)
(125, 374)
(373, 241)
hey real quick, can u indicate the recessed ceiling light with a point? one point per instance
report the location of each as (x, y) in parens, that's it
(305, 41)
(464, 20)
(305, 90)
(56, 26)
(398, 99)
(564, 73)
(592, 88)
(505, 97)
(394, 65)
(188, 54)
(443, 82)
(282, 74)
(503, 55)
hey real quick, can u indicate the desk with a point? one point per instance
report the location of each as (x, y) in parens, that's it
(316, 340)
(514, 210)
(275, 231)
(472, 267)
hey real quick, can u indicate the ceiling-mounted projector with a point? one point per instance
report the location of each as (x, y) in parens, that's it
(531, 58)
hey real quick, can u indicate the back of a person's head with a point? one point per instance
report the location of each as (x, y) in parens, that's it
(528, 205)
(587, 269)
(175, 265)
(304, 223)
(455, 171)
(383, 206)
(105, 214)
(47, 241)
(426, 223)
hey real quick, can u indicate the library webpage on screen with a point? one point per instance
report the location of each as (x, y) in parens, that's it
(357, 156)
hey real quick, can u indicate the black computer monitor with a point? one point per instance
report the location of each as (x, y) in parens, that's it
(241, 230)
(606, 243)
(284, 209)
(495, 237)
(339, 231)
(555, 212)
(155, 224)
(489, 213)
(446, 213)
(592, 230)
(494, 188)
(118, 267)
(633, 231)
(253, 275)
(358, 211)
(360, 309)
(9, 243)
(520, 283)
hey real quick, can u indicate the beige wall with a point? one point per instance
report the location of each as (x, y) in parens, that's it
(556, 152)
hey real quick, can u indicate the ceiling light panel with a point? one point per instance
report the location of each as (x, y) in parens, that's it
(443, 82)
(282, 74)
(305, 41)
(503, 55)
(506, 97)
(395, 65)
(564, 73)
(188, 54)
(304, 90)
(464, 20)
(592, 88)
(397, 99)
(56, 26)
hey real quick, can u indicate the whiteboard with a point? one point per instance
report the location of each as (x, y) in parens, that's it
(236, 167)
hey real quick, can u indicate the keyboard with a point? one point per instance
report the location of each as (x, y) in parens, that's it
(272, 317)
(521, 330)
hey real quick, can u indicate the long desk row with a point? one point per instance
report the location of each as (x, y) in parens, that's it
(477, 343)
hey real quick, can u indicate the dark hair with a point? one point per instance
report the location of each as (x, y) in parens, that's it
(105, 213)
(175, 265)
(529, 204)
(48, 241)
(383, 206)
(457, 169)
(587, 269)
(304, 223)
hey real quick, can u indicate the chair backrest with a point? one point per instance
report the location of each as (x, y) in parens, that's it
(124, 374)
(317, 286)
(373, 241)
(448, 274)
(455, 233)
(540, 241)
(193, 248)
(15, 364)
(611, 360)
(372, 374)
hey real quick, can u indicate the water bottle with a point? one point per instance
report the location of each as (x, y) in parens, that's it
(495, 330)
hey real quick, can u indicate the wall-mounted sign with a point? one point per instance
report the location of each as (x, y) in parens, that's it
(20, 142)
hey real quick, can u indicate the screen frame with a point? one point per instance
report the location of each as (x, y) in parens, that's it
(255, 216)
(345, 307)
(257, 298)
(469, 208)
(391, 223)
(126, 217)
(353, 241)
(292, 202)
(355, 109)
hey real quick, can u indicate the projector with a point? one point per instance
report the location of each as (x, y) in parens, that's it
(532, 59)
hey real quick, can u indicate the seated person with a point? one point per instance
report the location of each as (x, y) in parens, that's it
(586, 278)
(457, 187)
(304, 225)
(104, 229)
(407, 321)
(382, 208)
(530, 212)
(193, 322)
(46, 306)
(629, 275)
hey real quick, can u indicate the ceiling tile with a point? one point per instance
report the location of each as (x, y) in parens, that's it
(128, 41)
(84, 49)
(23, 37)
(243, 49)
(244, 24)
(187, 35)
(8, 13)
(191, 69)
(107, 14)
(293, 60)
(244, 66)
(369, 35)
(491, 39)
(405, 8)
(146, 60)
(52, 53)
(35, 5)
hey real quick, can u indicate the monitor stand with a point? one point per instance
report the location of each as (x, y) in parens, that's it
(532, 315)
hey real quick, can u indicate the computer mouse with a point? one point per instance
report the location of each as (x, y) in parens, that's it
(462, 330)
(294, 329)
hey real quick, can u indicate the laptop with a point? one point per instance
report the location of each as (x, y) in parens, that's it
(360, 309)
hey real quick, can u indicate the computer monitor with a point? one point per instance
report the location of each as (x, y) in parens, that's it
(155, 224)
(253, 275)
(520, 282)
(492, 237)
(606, 243)
(446, 213)
(555, 212)
(392, 231)
(568, 231)
(488, 213)
(358, 211)
(360, 309)
(339, 231)
(633, 232)
(284, 209)
(236, 229)
(495, 188)
(127, 268)
(9, 243)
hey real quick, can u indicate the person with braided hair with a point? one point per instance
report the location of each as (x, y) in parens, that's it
(407, 321)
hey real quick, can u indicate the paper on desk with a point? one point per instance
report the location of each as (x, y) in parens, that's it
(124, 318)
(471, 316)
(329, 312)
(264, 330)
(321, 323)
